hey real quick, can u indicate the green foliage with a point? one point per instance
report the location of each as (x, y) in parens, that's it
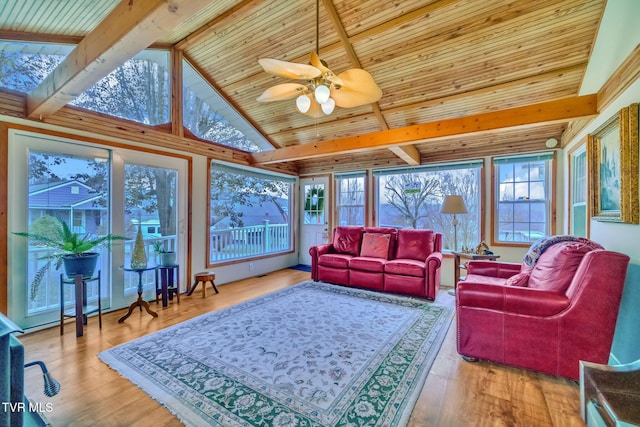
(53, 233)
(314, 202)
(229, 191)
(158, 247)
(56, 234)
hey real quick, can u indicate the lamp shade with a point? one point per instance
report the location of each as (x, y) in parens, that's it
(328, 106)
(453, 205)
(303, 103)
(322, 94)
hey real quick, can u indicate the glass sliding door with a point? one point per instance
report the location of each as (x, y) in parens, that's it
(151, 205)
(96, 191)
(54, 180)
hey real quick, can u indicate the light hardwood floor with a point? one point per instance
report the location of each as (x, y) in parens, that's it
(456, 393)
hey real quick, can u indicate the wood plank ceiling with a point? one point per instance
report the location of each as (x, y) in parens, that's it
(434, 60)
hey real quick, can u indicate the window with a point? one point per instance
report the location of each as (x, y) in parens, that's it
(151, 204)
(350, 198)
(412, 197)
(23, 66)
(523, 202)
(137, 90)
(208, 116)
(314, 199)
(578, 196)
(249, 213)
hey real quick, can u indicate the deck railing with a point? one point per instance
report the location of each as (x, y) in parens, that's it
(48, 296)
(243, 242)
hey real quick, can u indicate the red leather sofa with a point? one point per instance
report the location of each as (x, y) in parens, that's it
(544, 318)
(405, 261)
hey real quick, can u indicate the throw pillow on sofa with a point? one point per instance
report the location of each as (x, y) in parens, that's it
(415, 244)
(346, 240)
(556, 267)
(375, 245)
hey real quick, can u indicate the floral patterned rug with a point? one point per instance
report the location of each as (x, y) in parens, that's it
(309, 355)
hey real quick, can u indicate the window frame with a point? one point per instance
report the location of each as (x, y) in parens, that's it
(550, 194)
(445, 219)
(260, 173)
(338, 178)
(579, 151)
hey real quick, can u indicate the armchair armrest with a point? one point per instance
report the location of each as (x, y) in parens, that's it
(317, 250)
(511, 299)
(434, 260)
(502, 270)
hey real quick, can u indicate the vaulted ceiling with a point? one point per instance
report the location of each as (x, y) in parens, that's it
(460, 78)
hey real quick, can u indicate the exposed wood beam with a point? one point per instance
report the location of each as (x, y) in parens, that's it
(221, 93)
(547, 112)
(22, 36)
(132, 26)
(624, 76)
(408, 153)
(177, 127)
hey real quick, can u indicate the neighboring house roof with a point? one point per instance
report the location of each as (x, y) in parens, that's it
(63, 194)
(257, 213)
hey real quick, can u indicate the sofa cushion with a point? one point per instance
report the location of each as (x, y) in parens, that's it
(520, 279)
(557, 265)
(375, 245)
(484, 280)
(367, 264)
(415, 244)
(346, 240)
(335, 260)
(405, 267)
(393, 234)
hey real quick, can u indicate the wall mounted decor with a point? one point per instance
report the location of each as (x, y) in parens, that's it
(613, 164)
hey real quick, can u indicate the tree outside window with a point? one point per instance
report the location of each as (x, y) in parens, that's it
(413, 198)
(249, 213)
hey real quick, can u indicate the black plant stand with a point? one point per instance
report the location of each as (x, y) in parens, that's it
(81, 309)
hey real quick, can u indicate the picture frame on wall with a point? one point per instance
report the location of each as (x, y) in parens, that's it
(612, 153)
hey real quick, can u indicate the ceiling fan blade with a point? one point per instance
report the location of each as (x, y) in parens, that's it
(317, 62)
(281, 92)
(358, 88)
(289, 70)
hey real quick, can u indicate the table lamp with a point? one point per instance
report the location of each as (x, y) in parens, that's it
(454, 205)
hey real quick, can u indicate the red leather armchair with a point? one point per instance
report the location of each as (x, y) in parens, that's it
(533, 323)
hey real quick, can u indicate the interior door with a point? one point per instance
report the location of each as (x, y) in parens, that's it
(314, 222)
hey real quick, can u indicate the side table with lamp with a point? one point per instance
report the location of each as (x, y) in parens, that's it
(454, 205)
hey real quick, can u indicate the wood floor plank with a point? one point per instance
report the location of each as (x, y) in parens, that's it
(456, 393)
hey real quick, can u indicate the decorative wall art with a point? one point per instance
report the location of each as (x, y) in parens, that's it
(613, 164)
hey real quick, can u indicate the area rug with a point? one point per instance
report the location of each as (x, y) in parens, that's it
(313, 354)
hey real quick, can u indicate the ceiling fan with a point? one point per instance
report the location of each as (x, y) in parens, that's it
(323, 89)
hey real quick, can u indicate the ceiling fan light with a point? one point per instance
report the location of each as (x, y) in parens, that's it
(327, 107)
(303, 103)
(322, 94)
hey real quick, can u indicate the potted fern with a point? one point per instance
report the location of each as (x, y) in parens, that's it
(75, 251)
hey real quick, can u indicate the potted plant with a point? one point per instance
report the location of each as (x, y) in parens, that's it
(166, 257)
(75, 251)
